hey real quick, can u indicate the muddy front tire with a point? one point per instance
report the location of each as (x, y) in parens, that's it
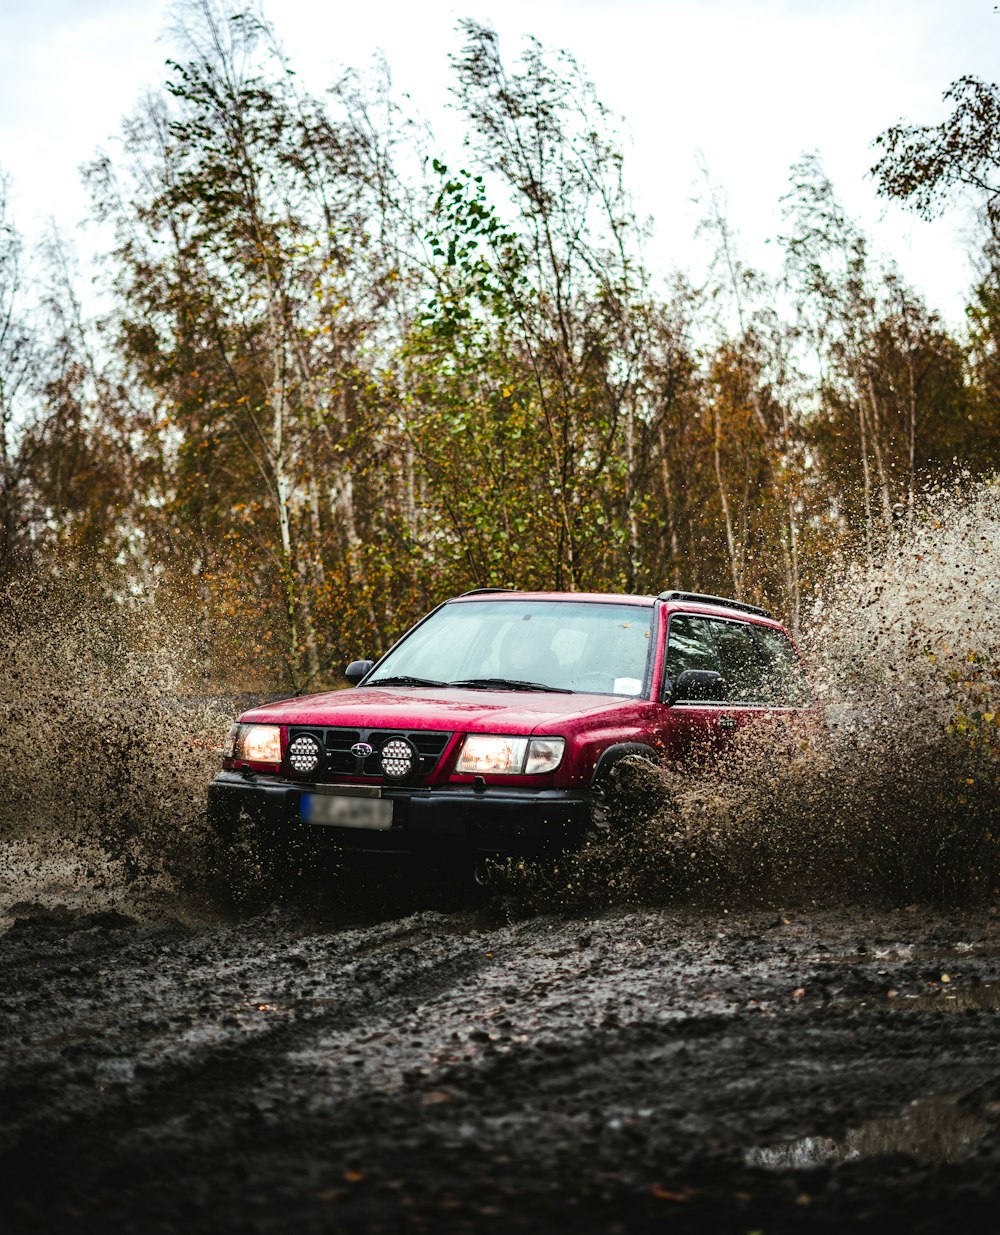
(618, 800)
(599, 821)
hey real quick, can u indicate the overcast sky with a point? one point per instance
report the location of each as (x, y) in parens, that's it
(744, 85)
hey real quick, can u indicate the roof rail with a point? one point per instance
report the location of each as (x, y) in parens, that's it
(701, 599)
(478, 591)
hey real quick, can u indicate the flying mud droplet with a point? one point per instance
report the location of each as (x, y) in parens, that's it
(893, 796)
(105, 752)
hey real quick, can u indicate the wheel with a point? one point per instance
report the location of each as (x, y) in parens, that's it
(614, 803)
(598, 826)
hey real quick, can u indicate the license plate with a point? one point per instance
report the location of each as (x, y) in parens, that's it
(337, 811)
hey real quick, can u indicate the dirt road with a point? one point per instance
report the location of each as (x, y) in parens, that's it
(638, 1070)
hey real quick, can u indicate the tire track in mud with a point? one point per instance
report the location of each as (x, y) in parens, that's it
(206, 1068)
(151, 1119)
(448, 1072)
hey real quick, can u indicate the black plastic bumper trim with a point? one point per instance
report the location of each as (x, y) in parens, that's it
(514, 821)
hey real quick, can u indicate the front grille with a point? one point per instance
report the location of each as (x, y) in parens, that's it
(339, 761)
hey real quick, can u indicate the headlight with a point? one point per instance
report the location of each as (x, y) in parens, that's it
(258, 743)
(487, 754)
(398, 758)
(484, 753)
(305, 754)
(544, 754)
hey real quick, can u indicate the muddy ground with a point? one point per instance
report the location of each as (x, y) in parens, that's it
(309, 1068)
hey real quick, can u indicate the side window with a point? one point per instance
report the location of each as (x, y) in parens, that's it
(785, 682)
(741, 661)
(689, 646)
(759, 664)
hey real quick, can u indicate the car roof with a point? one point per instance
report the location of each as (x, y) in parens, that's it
(598, 597)
(719, 606)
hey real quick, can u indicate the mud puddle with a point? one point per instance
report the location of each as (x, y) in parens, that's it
(932, 1130)
(985, 995)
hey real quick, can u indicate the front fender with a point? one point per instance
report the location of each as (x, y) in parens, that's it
(615, 754)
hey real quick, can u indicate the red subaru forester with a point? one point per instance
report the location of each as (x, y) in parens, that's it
(489, 726)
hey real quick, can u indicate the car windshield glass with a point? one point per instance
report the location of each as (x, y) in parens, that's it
(582, 646)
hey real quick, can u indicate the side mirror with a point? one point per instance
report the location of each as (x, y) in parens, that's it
(358, 669)
(693, 685)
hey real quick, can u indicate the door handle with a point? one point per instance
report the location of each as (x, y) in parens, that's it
(727, 722)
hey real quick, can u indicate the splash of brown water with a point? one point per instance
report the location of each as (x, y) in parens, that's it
(894, 797)
(103, 759)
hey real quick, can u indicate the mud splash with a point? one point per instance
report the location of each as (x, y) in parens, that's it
(106, 753)
(104, 757)
(110, 738)
(895, 795)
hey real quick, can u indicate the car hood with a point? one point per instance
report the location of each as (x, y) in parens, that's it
(451, 709)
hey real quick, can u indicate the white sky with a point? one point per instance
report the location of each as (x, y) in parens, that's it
(748, 85)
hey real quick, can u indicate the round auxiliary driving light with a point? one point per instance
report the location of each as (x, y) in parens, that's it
(398, 758)
(304, 754)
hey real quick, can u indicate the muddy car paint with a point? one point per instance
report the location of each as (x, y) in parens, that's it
(531, 812)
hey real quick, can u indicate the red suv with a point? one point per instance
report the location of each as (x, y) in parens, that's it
(491, 723)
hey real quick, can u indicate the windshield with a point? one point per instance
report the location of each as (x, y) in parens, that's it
(585, 646)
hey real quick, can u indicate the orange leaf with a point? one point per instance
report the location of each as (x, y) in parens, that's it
(664, 1194)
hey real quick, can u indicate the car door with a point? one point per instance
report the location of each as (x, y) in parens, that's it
(692, 728)
(761, 679)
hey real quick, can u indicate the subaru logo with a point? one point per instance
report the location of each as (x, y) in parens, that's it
(361, 750)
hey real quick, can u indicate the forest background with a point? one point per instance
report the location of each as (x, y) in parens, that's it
(336, 379)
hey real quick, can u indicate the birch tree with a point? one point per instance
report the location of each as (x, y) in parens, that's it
(17, 365)
(247, 284)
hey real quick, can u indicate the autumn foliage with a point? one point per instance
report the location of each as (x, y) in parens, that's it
(338, 375)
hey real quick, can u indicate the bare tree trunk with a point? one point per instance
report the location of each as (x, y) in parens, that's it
(668, 493)
(723, 496)
(409, 493)
(316, 581)
(865, 472)
(282, 498)
(791, 546)
(911, 484)
(633, 523)
(281, 490)
(316, 521)
(342, 507)
(879, 461)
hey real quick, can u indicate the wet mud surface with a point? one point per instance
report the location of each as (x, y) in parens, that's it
(436, 1070)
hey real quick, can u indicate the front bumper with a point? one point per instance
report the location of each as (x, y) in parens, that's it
(523, 822)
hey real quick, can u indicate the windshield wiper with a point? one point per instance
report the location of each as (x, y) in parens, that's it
(403, 679)
(509, 684)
